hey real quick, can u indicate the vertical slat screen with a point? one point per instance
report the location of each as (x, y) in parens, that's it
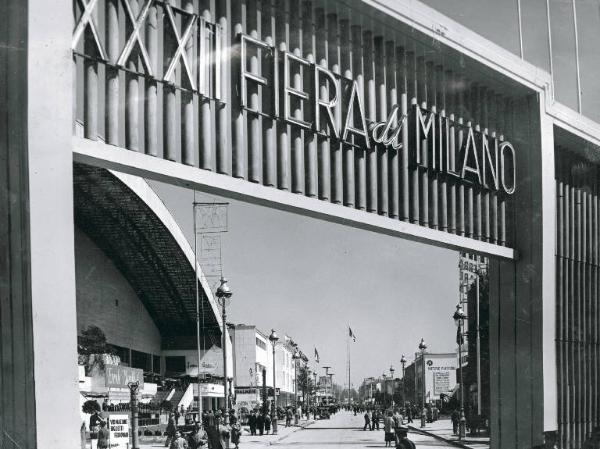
(167, 76)
(577, 309)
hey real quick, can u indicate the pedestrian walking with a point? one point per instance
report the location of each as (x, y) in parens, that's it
(103, 436)
(267, 423)
(402, 441)
(252, 422)
(223, 436)
(236, 432)
(455, 417)
(288, 417)
(375, 420)
(260, 423)
(398, 419)
(367, 421)
(388, 428)
(171, 430)
(178, 441)
(198, 438)
(409, 414)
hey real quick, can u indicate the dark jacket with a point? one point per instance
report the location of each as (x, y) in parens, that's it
(252, 420)
(103, 436)
(404, 443)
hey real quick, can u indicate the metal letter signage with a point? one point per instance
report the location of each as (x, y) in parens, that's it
(329, 104)
(482, 159)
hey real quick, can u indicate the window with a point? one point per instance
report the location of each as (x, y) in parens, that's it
(564, 62)
(141, 360)
(123, 354)
(261, 344)
(175, 364)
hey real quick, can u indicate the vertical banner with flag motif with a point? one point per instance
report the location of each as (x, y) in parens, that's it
(316, 356)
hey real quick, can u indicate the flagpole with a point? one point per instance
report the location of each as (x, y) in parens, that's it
(348, 345)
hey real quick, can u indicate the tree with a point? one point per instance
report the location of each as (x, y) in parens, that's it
(90, 406)
(305, 382)
(93, 341)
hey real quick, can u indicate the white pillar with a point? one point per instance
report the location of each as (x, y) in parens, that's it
(549, 269)
(50, 123)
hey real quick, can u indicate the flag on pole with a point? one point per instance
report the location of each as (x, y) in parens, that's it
(351, 334)
(316, 355)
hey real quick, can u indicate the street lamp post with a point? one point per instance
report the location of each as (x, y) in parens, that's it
(422, 348)
(383, 389)
(316, 398)
(403, 363)
(459, 318)
(273, 338)
(326, 368)
(296, 356)
(223, 294)
(393, 385)
(133, 390)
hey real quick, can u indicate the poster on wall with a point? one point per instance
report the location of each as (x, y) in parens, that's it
(441, 382)
(118, 426)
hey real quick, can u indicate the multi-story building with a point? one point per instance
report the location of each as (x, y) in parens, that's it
(284, 369)
(253, 356)
(435, 374)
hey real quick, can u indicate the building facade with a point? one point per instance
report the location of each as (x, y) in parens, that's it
(253, 355)
(435, 375)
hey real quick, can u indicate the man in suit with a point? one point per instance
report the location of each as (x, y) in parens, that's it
(252, 422)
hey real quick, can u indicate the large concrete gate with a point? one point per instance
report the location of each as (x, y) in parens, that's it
(221, 99)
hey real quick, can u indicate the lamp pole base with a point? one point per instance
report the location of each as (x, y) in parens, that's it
(462, 425)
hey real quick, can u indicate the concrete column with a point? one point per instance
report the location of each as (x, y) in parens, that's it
(49, 131)
(522, 294)
(17, 399)
(549, 270)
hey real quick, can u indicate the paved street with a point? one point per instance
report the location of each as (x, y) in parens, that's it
(342, 430)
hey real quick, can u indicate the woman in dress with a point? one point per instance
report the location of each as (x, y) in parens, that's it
(388, 428)
(236, 431)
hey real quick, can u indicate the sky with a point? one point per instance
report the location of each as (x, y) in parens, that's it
(311, 279)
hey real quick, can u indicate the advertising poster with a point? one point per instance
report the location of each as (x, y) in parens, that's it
(441, 382)
(118, 426)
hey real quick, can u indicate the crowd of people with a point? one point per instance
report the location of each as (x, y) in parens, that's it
(211, 433)
(392, 421)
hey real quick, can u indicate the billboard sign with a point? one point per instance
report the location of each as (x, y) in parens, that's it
(119, 376)
(118, 426)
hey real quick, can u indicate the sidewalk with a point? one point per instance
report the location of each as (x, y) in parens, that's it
(247, 439)
(282, 433)
(442, 430)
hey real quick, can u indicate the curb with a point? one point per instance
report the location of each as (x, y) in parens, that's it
(296, 429)
(438, 437)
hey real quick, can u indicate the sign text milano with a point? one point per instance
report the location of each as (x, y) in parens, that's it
(438, 142)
